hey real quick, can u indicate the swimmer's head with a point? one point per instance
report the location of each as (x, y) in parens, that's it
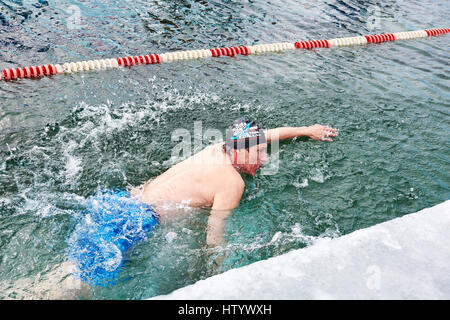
(246, 145)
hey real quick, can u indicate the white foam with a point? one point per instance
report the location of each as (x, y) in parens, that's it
(317, 176)
(73, 166)
(303, 184)
(170, 236)
(405, 258)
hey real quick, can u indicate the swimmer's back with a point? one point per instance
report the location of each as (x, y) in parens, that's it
(197, 178)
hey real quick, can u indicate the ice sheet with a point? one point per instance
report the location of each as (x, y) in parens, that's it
(405, 258)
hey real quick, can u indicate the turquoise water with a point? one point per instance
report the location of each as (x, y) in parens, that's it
(64, 138)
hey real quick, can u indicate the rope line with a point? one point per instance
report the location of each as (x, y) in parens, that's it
(104, 64)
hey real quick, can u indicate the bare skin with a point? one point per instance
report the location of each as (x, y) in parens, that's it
(211, 178)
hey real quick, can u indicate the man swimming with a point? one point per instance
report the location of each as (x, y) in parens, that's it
(114, 221)
(212, 177)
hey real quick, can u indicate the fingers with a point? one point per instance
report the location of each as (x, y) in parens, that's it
(324, 133)
(328, 133)
(331, 130)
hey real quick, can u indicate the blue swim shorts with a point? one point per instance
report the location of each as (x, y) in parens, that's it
(112, 223)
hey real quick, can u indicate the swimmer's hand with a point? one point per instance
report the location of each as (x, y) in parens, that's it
(321, 132)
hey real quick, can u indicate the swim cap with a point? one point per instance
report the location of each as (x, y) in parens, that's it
(244, 133)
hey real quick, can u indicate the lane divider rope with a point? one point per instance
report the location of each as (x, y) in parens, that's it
(104, 64)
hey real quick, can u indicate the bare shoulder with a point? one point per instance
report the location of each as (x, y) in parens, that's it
(230, 184)
(229, 189)
(239, 182)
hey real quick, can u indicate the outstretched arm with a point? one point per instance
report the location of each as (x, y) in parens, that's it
(315, 132)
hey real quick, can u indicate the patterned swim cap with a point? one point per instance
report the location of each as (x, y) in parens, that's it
(244, 133)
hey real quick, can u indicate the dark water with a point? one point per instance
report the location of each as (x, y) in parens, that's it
(64, 138)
